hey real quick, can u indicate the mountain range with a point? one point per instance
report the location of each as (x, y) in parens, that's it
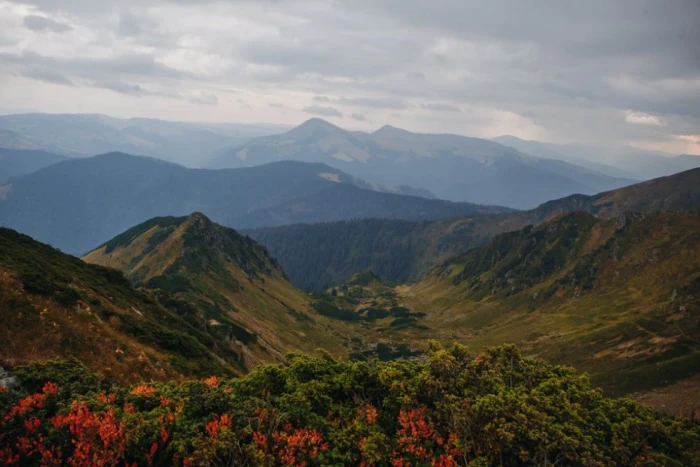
(624, 162)
(604, 280)
(452, 167)
(319, 255)
(612, 293)
(82, 135)
(80, 203)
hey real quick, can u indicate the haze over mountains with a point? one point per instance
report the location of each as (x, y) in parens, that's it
(82, 135)
(488, 173)
(505, 171)
(622, 162)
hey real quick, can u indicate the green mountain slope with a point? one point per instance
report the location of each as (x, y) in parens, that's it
(316, 256)
(619, 298)
(238, 291)
(55, 305)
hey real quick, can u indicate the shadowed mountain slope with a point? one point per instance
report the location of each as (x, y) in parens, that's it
(78, 204)
(325, 254)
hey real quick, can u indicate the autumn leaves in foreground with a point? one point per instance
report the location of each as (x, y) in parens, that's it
(455, 408)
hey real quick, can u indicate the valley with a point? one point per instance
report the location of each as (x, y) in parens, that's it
(612, 298)
(331, 233)
(401, 295)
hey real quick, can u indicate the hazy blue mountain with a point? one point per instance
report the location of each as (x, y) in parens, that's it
(336, 201)
(615, 161)
(77, 204)
(450, 166)
(89, 134)
(13, 140)
(17, 162)
(554, 151)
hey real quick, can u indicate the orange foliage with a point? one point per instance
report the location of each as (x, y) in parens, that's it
(212, 381)
(143, 390)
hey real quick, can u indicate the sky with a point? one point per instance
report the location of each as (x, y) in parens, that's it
(606, 72)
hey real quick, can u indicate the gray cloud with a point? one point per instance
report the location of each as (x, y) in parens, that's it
(48, 76)
(323, 111)
(41, 23)
(205, 99)
(110, 73)
(358, 117)
(438, 107)
(132, 64)
(131, 25)
(574, 71)
(374, 102)
(381, 103)
(120, 87)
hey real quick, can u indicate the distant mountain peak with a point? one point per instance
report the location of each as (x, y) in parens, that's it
(313, 125)
(198, 217)
(390, 130)
(318, 121)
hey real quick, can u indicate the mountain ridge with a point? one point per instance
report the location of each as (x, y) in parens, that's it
(84, 135)
(240, 292)
(392, 156)
(79, 203)
(401, 251)
(625, 162)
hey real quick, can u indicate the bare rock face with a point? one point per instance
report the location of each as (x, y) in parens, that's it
(626, 219)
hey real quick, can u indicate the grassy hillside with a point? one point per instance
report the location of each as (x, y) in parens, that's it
(236, 290)
(316, 256)
(617, 298)
(55, 305)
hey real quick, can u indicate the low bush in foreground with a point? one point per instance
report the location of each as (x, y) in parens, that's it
(455, 408)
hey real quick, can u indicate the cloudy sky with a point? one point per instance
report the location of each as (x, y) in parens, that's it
(594, 71)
